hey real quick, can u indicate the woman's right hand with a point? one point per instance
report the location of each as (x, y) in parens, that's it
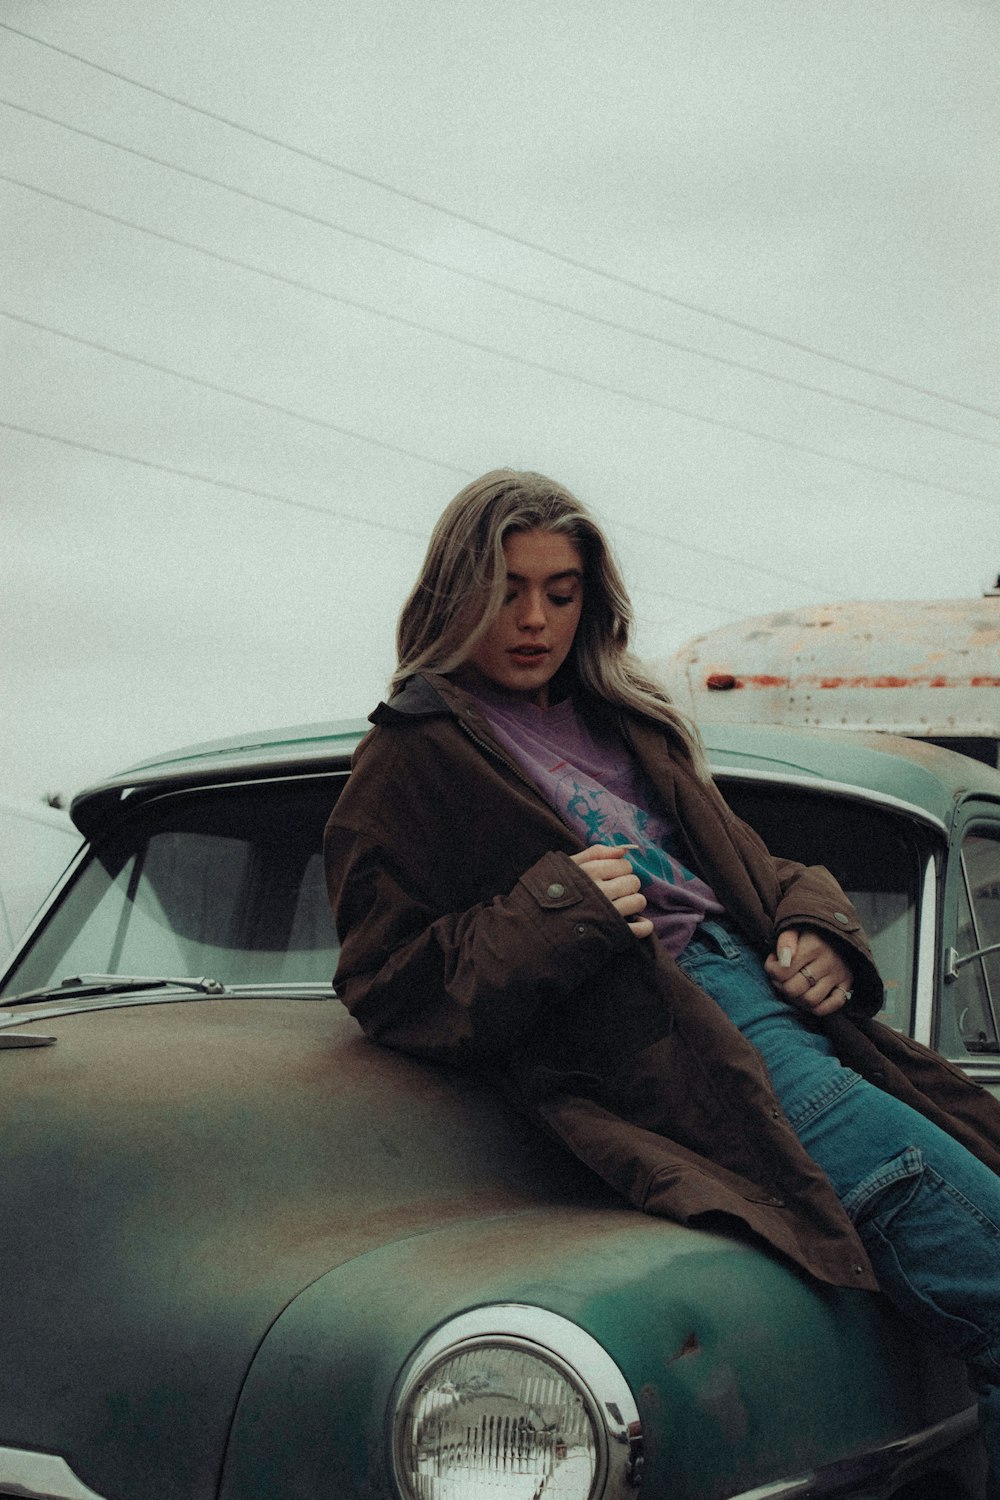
(614, 877)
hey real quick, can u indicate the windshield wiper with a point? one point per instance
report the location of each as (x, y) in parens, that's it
(115, 984)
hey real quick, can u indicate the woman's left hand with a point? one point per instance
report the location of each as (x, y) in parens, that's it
(807, 971)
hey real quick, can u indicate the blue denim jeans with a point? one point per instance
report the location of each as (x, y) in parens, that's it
(926, 1209)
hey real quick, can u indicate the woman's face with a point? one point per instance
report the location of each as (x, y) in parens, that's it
(532, 635)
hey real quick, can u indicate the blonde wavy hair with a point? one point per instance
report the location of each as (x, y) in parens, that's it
(463, 583)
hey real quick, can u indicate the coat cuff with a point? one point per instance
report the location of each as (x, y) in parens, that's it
(569, 910)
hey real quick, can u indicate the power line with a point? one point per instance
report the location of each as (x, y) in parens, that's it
(715, 556)
(235, 395)
(522, 361)
(672, 598)
(559, 256)
(324, 510)
(219, 484)
(508, 288)
(306, 505)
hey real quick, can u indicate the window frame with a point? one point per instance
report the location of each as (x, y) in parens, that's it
(974, 819)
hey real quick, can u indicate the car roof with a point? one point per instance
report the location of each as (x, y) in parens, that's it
(929, 780)
(298, 750)
(925, 778)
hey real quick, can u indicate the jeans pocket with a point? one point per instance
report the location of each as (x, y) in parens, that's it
(862, 1202)
(936, 1253)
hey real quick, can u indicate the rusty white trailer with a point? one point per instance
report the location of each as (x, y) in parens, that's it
(929, 669)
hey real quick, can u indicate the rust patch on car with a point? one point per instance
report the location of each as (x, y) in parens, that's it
(690, 1346)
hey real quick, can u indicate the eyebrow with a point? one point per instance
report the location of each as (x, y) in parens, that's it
(573, 573)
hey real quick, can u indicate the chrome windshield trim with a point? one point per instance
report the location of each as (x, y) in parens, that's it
(40, 1476)
(49, 901)
(838, 788)
(875, 1471)
(923, 1009)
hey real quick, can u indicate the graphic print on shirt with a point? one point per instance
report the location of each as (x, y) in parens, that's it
(603, 818)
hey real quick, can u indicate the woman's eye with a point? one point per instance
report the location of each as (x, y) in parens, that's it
(561, 599)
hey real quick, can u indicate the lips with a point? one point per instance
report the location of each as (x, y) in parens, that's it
(528, 653)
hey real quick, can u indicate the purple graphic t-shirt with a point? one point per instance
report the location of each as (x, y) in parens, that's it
(588, 774)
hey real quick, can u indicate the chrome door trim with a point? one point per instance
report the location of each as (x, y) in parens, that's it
(875, 1471)
(40, 1476)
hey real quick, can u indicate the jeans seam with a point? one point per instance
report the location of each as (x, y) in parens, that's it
(822, 1099)
(984, 1220)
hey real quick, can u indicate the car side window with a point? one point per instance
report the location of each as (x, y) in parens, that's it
(972, 992)
(878, 858)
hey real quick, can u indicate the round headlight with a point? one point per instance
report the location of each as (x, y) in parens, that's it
(513, 1402)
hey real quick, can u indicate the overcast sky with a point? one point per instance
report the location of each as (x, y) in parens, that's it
(275, 281)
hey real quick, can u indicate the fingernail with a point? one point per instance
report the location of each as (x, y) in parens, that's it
(784, 957)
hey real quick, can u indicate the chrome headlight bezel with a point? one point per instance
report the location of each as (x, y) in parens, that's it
(571, 1352)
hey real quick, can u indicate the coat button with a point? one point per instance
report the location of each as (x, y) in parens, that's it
(581, 929)
(842, 918)
(555, 890)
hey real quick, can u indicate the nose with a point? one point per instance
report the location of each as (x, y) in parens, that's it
(531, 615)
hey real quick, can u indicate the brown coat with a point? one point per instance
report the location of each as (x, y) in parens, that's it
(470, 937)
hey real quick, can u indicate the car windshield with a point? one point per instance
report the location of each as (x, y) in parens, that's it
(226, 882)
(878, 856)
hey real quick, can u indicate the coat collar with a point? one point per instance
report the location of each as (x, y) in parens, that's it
(423, 695)
(429, 694)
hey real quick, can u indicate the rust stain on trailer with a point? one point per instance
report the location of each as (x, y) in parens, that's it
(929, 668)
(721, 681)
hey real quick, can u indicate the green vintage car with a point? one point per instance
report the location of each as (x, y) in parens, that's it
(246, 1255)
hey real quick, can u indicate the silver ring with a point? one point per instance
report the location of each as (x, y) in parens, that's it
(808, 973)
(847, 993)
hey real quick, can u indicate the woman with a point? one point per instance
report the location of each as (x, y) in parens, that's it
(534, 875)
